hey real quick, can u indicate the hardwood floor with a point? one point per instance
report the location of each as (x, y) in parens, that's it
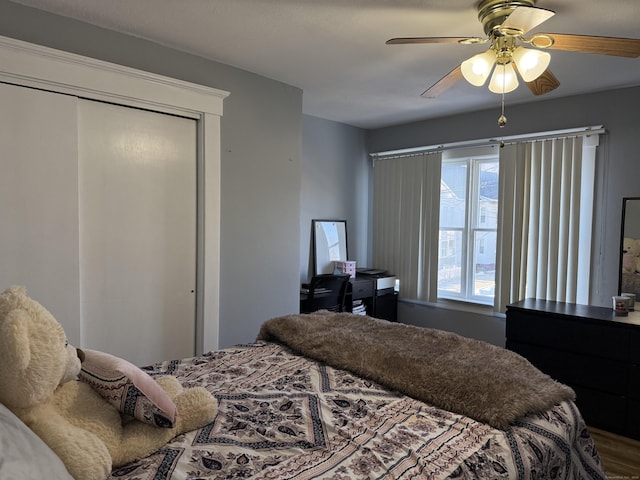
(620, 455)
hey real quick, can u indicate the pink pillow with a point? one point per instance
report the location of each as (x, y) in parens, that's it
(128, 388)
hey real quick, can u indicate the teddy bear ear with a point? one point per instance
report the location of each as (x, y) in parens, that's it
(14, 335)
(15, 291)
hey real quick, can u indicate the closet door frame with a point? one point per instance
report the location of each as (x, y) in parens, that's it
(30, 65)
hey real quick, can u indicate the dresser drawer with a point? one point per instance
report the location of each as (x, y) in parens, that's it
(633, 419)
(634, 346)
(361, 288)
(603, 410)
(578, 336)
(577, 370)
(634, 382)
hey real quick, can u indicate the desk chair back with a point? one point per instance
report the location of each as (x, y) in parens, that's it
(327, 292)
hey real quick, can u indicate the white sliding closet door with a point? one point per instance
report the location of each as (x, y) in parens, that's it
(137, 204)
(39, 200)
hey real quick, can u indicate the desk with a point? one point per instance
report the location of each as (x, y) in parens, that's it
(379, 303)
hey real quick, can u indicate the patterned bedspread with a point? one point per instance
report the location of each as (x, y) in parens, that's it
(282, 416)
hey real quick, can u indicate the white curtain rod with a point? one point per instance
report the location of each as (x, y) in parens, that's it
(404, 152)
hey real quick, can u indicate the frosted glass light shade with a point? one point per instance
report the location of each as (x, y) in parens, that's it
(504, 79)
(531, 63)
(476, 69)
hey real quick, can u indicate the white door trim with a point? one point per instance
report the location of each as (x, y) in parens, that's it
(30, 65)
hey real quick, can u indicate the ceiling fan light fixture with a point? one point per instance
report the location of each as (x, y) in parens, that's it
(477, 69)
(504, 79)
(531, 63)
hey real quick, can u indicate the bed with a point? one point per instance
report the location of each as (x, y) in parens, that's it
(342, 396)
(289, 408)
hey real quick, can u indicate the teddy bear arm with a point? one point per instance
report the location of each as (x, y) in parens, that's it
(195, 405)
(196, 408)
(139, 440)
(84, 455)
(170, 385)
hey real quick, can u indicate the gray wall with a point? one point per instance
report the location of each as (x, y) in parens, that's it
(617, 177)
(261, 151)
(334, 185)
(470, 324)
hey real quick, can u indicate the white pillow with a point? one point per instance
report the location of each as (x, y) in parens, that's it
(128, 388)
(23, 455)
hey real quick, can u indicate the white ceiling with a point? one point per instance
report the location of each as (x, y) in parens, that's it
(334, 50)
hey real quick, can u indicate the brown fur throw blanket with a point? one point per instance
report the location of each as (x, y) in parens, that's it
(474, 378)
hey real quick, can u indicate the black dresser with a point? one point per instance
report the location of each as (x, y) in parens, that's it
(590, 349)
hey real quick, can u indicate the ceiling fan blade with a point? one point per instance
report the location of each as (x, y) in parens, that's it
(619, 47)
(545, 83)
(402, 41)
(524, 19)
(444, 84)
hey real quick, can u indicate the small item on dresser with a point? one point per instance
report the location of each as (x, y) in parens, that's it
(620, 305)
(631, 300)
(348, 266)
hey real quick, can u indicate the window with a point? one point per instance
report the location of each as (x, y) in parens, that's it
(489, 225)
(467, 230)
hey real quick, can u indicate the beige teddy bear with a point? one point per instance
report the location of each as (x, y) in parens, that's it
(38, 382)
(630, 255)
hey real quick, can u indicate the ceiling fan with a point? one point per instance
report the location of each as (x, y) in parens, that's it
(505, 23)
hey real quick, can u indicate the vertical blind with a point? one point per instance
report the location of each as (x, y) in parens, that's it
(405, 222)
(544, 220)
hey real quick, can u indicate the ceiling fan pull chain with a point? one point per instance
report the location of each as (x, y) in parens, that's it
(502, 120)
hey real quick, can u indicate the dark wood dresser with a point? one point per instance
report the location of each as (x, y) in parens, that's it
(590, 349)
